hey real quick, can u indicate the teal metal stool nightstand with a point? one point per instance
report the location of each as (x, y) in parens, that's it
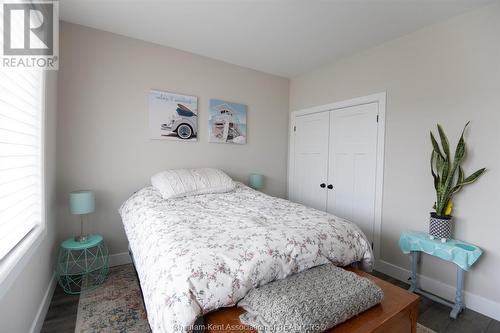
(462, 254)
(82, 265)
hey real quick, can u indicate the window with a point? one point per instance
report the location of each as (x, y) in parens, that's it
(21, 176)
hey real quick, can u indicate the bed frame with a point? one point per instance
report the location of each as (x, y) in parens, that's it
(396, 314)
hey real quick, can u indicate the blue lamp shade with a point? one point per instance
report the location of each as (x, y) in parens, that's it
(256, 181)
(81, 202)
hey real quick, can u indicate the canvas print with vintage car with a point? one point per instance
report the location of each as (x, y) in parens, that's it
(227, 122)
(173, 116)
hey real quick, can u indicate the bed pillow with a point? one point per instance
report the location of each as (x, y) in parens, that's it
(185, 182)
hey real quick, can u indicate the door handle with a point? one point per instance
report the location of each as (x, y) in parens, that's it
(322, 185)
(330, 186)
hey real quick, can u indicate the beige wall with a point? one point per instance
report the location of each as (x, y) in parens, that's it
(447, 73)
(19, 306)
(103, 119)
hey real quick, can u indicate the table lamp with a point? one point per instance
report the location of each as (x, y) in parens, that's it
(256, 181)
(81, 203)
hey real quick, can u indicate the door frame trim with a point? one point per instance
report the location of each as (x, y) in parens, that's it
(379, 98)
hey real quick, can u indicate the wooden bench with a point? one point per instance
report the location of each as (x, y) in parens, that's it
(396, 314)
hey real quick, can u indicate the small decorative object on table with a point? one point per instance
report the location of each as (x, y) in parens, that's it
(449, 178)
(462, 254)
(256, 181)
(82, 265)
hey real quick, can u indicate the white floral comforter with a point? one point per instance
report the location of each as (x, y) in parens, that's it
(200, 253)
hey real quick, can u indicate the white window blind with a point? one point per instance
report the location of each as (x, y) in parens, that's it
(21, 119)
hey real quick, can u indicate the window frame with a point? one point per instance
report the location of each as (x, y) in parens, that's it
(16, 260)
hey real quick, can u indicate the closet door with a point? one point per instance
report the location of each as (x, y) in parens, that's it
(311, 160)
(352, 165)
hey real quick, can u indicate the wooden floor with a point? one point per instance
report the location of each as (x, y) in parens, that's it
(61, 317)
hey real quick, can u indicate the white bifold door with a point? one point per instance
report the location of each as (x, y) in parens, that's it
(335, 161)
(311, 160)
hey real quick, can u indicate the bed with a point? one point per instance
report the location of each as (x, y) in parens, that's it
(197, 254)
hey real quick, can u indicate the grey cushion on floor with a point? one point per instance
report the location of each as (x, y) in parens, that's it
(310, 301)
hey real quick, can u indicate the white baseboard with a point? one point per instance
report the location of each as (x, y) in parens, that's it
(472, 301)
(44, 306)
(118, 259)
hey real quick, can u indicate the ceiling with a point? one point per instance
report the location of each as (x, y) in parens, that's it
(282, 37)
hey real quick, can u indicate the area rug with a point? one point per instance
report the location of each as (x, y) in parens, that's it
(116, 306)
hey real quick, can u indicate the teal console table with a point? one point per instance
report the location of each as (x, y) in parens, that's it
(462, 254)
(82, 265)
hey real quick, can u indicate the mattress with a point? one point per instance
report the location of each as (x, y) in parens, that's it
(197, 254)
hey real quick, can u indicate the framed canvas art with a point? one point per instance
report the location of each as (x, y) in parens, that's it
(227, 122)
(173, 116)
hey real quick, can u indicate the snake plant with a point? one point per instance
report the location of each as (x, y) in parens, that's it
(448, 174)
